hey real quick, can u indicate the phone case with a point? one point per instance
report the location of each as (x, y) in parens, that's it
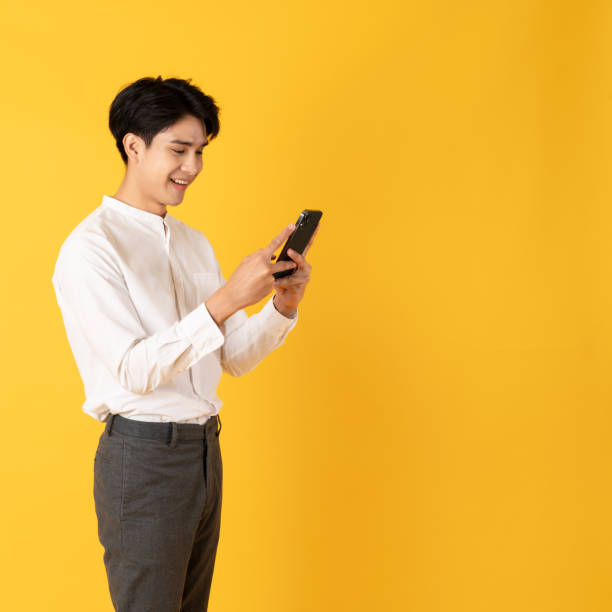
(304, 229)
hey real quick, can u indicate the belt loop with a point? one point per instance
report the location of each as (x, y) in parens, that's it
(109, 425)
(218, 430)
(174, 437)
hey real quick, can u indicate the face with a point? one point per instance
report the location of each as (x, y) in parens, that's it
(175, 154)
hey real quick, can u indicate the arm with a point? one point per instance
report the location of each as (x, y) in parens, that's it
(249, 339)
(91, 290)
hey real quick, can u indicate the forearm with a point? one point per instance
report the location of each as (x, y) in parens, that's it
(153, 361)
(250, 339)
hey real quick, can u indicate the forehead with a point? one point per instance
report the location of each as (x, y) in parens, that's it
(188, 130)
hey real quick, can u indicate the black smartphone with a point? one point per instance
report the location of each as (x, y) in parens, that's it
(304, 229)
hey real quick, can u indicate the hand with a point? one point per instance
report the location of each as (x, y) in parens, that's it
(290, 289)
(252, 280)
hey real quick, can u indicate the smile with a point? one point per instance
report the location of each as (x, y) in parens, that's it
(180, 186)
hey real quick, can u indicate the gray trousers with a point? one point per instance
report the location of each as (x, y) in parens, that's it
(157, 493)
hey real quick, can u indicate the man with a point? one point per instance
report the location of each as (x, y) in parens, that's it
(152, 323)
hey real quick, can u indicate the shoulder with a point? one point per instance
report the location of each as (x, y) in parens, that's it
(90, 242)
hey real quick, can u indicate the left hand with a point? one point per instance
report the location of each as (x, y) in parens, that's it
(290, 289)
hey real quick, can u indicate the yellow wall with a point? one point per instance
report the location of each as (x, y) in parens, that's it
(434, 434)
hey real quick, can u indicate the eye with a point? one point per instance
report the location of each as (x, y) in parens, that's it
(179, 152)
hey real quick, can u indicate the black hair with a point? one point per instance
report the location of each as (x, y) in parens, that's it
(149, 105)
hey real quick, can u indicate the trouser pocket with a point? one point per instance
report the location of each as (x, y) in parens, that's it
(162, 498)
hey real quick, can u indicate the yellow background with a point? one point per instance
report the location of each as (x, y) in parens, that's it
(434, 435)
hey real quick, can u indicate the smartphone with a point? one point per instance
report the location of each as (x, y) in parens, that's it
(304, 229)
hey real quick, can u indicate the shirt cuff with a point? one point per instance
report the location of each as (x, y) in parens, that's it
(201, 329)
(275, 319)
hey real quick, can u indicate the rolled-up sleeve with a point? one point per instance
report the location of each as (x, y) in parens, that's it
(90, 289)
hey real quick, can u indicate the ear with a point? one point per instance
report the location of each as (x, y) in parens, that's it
(134, 147)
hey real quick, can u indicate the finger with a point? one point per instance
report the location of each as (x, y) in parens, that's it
(300, 259)
(276, 242)
(286, 282)
(302, 269)
(279, 266)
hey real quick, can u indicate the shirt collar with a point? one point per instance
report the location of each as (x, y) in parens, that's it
(137, 213)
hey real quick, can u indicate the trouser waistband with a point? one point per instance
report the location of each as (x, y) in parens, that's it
(170, 433)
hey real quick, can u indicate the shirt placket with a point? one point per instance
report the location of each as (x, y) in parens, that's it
(178, 285)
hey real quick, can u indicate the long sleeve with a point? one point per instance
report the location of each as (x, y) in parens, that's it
(92, 293)
(249, 339)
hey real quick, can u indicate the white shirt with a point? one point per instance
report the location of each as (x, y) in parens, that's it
(131, 287)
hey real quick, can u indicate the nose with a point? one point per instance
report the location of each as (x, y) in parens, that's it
(190, 166)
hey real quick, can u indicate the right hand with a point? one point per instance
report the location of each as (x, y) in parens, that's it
(252, 280)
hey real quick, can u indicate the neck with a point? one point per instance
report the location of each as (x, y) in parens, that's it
(129, 193)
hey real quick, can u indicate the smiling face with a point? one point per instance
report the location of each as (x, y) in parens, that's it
(153, 173)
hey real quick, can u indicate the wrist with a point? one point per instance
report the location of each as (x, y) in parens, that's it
(220, 305)
(290, 313)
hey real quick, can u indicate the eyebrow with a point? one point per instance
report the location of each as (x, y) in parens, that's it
(188, 142)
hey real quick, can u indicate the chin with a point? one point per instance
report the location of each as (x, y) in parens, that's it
(175, 200)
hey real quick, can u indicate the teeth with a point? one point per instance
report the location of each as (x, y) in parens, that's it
(180, 182)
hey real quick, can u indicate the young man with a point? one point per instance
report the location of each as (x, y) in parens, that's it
(152, 323)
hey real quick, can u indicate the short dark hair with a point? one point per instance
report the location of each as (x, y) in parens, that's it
(149, 105)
